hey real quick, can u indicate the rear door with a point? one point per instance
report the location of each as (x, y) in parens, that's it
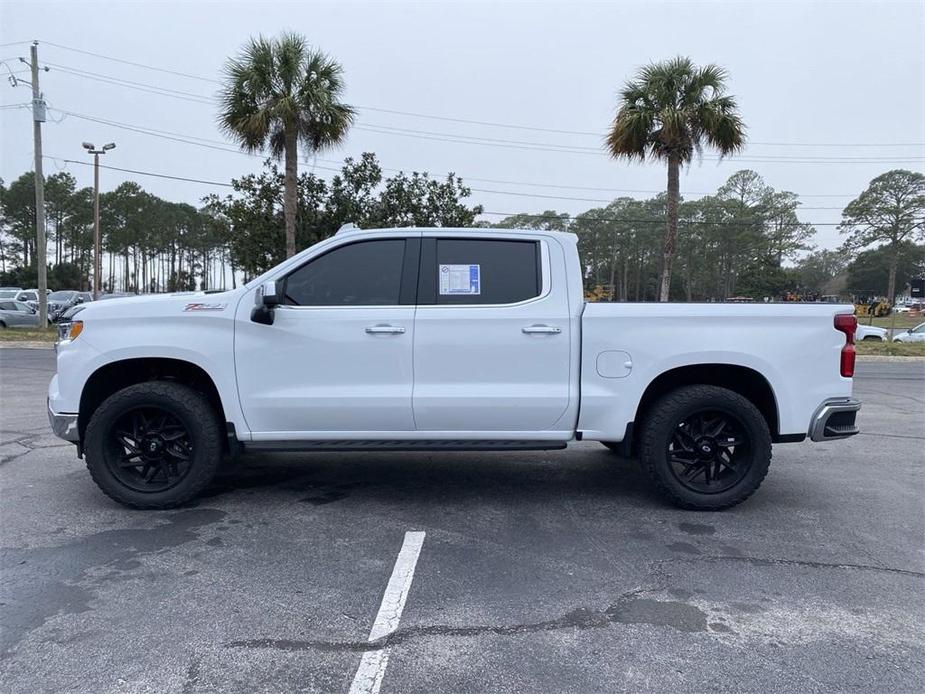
(491, 337)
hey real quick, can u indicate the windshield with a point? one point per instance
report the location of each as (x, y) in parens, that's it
(61, 296)
(8, 293)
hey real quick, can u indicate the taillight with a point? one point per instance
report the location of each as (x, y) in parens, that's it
(847, 324)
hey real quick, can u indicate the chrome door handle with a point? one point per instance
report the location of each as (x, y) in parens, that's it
(385, 330)
(550, 329)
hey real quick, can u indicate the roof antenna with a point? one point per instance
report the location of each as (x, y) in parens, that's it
(349, 226)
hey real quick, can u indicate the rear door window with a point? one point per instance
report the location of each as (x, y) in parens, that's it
(480, 271)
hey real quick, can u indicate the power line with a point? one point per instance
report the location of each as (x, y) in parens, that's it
(595, 150)
(451, 119)
(628, 220)
(166, 135)
(601, 134)
(504, 214)
(142, 173)
(130, 83)
(220, 146)
(132, 63)
(480, 122)
(608, 200)
(563, 149)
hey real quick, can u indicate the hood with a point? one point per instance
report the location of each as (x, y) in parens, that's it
(162, 305)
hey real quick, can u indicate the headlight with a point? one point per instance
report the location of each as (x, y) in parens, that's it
(74, 328)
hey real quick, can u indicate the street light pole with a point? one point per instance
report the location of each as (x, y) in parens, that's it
(97, 259)
(97, 265)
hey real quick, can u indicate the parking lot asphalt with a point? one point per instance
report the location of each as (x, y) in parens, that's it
(539, 572)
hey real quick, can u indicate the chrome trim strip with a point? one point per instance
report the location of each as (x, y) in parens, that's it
(820, 420)
(64, 426)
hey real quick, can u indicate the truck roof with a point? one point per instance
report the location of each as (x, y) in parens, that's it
(351, 229)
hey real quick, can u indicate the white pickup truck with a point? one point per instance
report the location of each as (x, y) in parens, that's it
(445, 339)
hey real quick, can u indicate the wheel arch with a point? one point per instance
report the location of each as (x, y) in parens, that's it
(743, 380)
(116, 375)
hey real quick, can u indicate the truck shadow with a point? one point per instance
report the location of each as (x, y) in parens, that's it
(436, 478)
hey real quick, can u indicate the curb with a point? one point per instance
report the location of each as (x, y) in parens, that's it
(27, 345)
(886, 357)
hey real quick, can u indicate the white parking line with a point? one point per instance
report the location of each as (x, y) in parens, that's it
(372, 666)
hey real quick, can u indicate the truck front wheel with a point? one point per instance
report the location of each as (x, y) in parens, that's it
(153, 445)
(705, 448)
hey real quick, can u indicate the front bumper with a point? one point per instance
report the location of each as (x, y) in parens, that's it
(64, 425)
(835, 419)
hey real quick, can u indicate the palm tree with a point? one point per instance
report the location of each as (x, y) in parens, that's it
(669, 112)
(279, 93)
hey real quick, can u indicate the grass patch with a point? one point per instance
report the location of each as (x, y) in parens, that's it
(28, 334)
(891, 349)
(903, 321)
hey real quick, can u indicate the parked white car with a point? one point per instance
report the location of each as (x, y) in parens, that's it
(916, 334)
(871, 332)
(445, 339)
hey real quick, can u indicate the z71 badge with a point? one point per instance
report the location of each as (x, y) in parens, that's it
(205, 307)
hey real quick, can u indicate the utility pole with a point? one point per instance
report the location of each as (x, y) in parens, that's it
(38, 117)
(97, 259)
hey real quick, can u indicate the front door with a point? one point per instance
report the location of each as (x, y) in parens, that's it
(337, 360)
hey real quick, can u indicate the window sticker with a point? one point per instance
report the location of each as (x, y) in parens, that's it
(460, 280)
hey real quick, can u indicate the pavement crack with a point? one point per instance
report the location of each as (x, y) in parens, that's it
(893, 436)
(27, 440)
(763, 561)
(897, 395)
(579, 618)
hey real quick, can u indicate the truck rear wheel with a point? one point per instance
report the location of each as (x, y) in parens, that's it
(153, 445)
(705, 448)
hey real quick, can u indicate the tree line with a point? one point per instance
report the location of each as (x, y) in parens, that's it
(154, 245)
(746, 239)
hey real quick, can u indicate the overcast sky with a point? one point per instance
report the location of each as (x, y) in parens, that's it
(805, 74)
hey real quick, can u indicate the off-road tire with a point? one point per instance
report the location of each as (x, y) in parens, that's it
(658, 428)
(197, 415)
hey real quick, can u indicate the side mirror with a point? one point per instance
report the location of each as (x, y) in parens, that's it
(79, 300)
(267, 294)
(266, 299)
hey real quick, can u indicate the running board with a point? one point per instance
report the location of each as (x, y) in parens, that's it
(402, 445)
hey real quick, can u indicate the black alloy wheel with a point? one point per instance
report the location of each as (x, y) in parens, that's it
(709, 451)
(150, 450)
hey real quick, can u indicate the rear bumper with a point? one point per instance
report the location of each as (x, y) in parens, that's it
(835, 419)
(64, 425)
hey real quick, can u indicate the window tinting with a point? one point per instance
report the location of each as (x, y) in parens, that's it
(508, 270)
(361, 274)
